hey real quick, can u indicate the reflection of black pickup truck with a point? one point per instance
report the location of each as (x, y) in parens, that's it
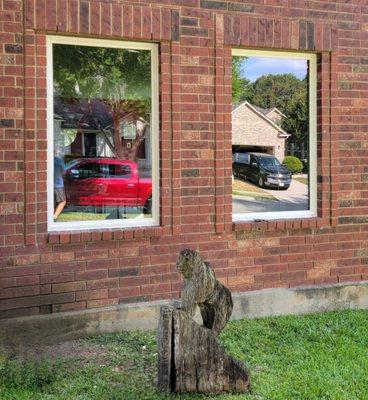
(263, 169)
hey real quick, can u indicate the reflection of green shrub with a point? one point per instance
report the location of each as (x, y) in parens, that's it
(293, 164)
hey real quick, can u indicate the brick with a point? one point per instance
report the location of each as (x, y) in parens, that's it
(24, 270)
(92, 294)
(101, 303)
(75, 306)
(68, 287)
(26, 259)
(124, 292)
(57, 257)
(68, 266)
(6, 123)
(136, 299)
(267, 278)
(160, 288)
(13, 48)
(135, 281)
(102, 283)
(90, 275)
(22, 302)
(20, 312)
(54, 278)
(123, 272)
(214, 5)
(21, 291)
(99, 264)
(84, 16)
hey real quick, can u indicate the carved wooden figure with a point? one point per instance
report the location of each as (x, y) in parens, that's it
(203, 289)
(190, 357)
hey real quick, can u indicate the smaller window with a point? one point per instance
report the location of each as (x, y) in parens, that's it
(129, 131)
(274, 143)
(242, 158)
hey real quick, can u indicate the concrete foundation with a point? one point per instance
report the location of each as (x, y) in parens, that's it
(18, 333)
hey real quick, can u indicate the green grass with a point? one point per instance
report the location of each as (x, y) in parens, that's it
(248, 189)
(90, 216)
(81, 216)
(301, 179)
(264, 195)
(312, 357)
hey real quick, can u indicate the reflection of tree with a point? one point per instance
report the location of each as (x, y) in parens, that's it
(242, 88)
(133, 112)
(290, 95)
(284, 91)
(119, 78)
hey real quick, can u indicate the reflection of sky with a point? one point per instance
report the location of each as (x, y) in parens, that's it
(254, 67)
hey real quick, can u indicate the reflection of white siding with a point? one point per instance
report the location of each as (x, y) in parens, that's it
(250, 129)
(275, 117)
(102, 148)
(61, 145)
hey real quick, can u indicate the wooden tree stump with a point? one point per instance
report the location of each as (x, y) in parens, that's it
(190, 358)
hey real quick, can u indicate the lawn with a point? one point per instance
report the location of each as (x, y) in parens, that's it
(301, 179)
(81, 216)
(248, 189)
(311, 357)
(67, 216)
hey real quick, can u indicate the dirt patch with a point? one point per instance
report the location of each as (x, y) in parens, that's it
(65, 350)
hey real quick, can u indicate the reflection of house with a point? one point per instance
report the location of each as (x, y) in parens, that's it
(256, 129)
(84, 129)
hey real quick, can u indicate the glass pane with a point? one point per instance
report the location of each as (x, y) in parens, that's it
(119, 171)
(102, 119)
(270, 135)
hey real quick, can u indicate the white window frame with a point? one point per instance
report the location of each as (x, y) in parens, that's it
(53, 226)
(312, 212)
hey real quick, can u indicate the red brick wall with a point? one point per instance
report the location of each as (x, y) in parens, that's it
(41, 273)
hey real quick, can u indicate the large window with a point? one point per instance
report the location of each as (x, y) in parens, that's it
(102, 134)
(274, 135)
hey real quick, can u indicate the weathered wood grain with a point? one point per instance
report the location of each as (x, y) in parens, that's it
(203, 289)
(191, 359)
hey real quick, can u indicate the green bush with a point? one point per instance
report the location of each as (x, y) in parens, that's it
(293, 164)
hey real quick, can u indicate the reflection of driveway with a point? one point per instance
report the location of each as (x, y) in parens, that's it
(297, 193)
(292, 199)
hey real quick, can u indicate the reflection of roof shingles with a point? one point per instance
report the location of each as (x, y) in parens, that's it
(77, 114)
(264, 111)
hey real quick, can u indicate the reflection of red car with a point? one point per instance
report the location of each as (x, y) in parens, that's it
(107, 182)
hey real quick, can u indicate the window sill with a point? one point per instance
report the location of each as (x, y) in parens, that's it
(280, 224)
(71, 226)
(74, 236)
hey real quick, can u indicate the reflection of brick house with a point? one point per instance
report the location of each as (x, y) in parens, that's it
(257, 129)
(89, 132)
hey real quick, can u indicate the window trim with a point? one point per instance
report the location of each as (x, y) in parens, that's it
(154, 131)
(312, 212)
